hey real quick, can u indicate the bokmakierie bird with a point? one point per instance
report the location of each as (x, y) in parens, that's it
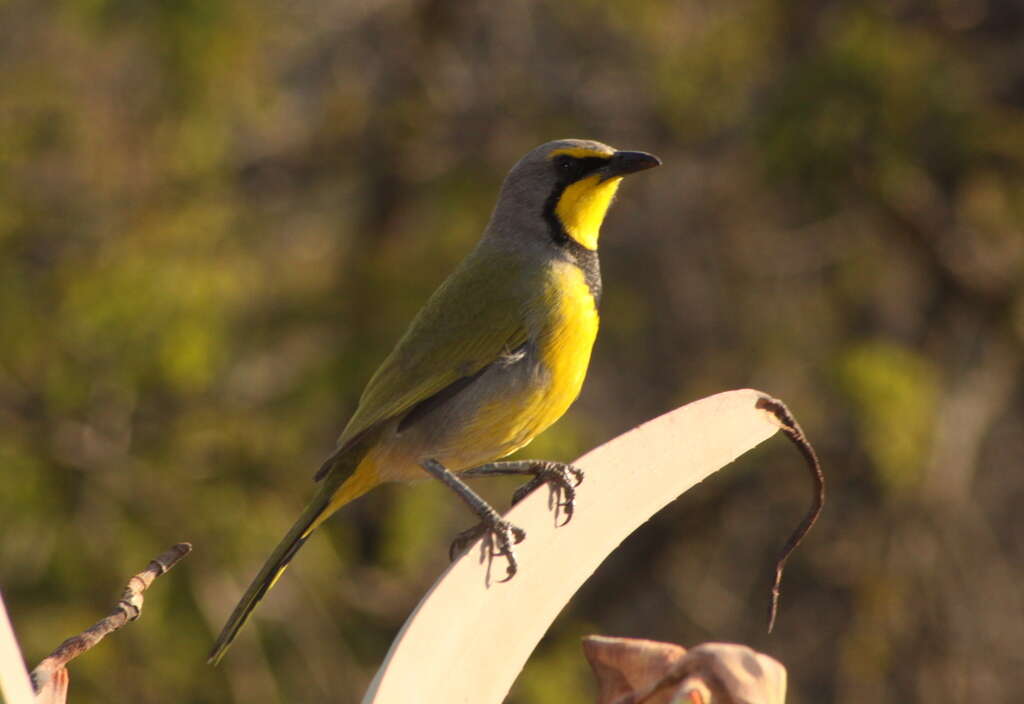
(497, 354)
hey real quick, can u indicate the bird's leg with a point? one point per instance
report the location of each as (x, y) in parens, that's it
(502, 534)
(562, 478)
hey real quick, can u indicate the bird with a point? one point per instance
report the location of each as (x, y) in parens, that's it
(496, 355)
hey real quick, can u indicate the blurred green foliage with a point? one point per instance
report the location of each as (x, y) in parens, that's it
(894, 394)
(216, 217)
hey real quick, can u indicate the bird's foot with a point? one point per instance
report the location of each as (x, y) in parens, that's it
(563, 480)
(500, 536)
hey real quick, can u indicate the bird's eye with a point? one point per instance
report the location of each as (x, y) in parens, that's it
(566, 164)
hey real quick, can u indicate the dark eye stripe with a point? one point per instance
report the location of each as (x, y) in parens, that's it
(571, 169)
(591, 163)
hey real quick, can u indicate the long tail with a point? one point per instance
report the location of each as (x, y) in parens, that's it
(323, 505)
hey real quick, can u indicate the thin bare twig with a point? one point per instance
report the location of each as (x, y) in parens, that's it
(796, 435)
(127, 609)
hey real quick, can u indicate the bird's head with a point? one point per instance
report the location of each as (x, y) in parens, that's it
(562, 189)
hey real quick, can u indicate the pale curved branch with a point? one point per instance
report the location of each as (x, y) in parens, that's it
(469, 637)
(15, 686)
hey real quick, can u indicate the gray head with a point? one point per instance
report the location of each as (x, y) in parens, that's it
(561, 191)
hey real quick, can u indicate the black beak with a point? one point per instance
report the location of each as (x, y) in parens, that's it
(623, 163)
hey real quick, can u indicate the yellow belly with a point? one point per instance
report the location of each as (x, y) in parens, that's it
(566, 344)
(563, 346)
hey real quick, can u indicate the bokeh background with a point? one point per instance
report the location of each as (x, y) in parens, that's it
(217, 216)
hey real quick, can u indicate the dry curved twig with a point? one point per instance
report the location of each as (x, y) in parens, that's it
(50, 675)
(795, 433)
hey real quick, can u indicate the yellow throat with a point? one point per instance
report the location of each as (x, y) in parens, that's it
(583, 205)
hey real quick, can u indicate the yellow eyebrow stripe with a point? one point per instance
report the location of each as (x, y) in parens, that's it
(581, 153)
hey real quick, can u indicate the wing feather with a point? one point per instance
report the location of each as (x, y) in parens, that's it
(474, 316)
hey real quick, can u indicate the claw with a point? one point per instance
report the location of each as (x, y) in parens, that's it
(563, 480)
(576, 472)
(501, 537)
